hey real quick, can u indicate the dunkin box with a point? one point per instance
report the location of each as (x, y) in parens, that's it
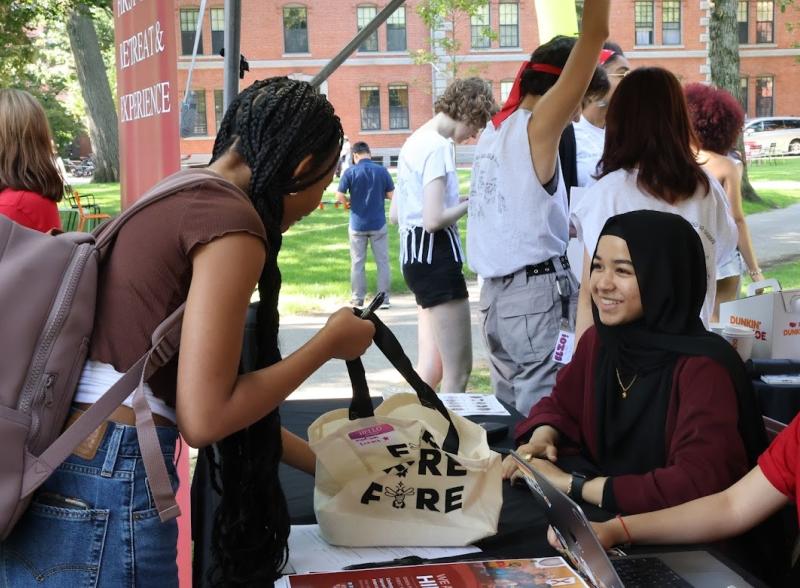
(774, 316)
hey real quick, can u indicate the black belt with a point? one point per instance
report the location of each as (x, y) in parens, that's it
(546, 267)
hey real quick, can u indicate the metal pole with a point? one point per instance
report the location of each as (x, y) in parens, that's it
(233, 28)
(334, 63)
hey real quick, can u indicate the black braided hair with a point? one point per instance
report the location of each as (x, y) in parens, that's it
(273, 125)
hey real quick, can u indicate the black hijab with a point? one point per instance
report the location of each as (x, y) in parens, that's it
(669, 263)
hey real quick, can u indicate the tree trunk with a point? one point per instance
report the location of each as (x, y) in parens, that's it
(96, 91)
(723, 54)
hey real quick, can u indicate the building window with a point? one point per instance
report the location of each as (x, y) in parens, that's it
(189, 18)
(479, 25)
(365, 16)
(370, 108)
(743, 94)
(217, 29)
(764, 96)
(671, 22)
(394, 160)
(396, 30)
(765, 21)
(295, 29)
(505, 90)
(197, 103)
(398, 107)
(219, 112)
(643, 18)
(509, 24)
(744, 22)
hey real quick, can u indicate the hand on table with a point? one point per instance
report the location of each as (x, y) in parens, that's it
(541, 445)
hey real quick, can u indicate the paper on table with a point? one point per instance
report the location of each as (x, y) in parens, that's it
(474, 404)
(784, 379)
(309, 552)
(466, 404)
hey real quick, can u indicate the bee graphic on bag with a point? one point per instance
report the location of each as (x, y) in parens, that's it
(399, 494)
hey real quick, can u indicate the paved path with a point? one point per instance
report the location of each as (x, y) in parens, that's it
(331, 380)
(776, 237)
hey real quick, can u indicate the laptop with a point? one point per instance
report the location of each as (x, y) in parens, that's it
(685, 569)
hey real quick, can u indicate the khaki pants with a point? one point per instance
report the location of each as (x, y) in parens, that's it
(358, 257)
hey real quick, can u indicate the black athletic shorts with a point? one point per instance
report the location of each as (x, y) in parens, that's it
(441, 280)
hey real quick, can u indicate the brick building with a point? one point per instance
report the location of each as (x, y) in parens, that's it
(382, 95)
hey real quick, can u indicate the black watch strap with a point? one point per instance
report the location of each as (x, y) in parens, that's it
(576, 488)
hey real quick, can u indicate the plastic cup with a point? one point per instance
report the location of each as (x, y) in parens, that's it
(741, 339)
(717, 328)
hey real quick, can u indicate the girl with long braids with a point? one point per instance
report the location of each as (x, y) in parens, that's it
(94, 521)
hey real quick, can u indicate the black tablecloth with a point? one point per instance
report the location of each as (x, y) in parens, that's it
(780, 402)
(522, 527)
(521, 530)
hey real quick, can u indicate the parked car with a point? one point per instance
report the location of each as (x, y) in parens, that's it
(781, 131)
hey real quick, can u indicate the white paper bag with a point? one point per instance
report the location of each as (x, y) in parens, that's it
(412, 474)
(774, 316)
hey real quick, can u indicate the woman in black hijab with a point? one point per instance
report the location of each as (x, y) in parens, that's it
(659, 409)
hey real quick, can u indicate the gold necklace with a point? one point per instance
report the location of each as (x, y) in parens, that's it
(622, 386)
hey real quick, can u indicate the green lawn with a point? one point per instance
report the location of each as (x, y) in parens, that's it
(782, 170)
(315, 258)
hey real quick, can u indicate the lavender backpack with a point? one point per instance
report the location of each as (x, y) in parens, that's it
(48, 288)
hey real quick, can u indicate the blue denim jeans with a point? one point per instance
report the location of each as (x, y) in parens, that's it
(94, 524)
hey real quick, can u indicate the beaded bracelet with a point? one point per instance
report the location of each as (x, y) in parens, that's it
(753, 272)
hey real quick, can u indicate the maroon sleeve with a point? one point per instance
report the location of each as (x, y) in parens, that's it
(779, 461)
(705, 453)
(563, 408)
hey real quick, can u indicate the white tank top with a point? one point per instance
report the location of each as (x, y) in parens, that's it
(512, 220)
(97, 377)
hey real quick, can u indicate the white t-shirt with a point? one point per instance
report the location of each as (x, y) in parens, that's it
(513, 221)
(589, 142)
(424, 157)
(618, 192)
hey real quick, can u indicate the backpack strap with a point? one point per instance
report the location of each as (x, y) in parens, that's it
(166, 339)
(106, 233)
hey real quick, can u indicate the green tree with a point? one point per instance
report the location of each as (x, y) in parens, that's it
(444, 18)
(23, 23)
(723, 56)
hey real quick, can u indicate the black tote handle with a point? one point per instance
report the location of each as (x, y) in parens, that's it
(361, 405)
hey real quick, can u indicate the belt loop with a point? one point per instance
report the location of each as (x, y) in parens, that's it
(112, 451)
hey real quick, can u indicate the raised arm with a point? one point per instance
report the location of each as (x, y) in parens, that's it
(555, 109)
(212, 400)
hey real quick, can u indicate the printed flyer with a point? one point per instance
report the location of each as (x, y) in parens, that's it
(529, 573)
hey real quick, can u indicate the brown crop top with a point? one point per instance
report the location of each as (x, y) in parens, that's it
(147, 274)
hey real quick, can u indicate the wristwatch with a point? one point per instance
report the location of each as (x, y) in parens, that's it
(576, 487)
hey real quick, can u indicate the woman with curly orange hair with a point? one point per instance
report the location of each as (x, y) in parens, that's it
(717, 118)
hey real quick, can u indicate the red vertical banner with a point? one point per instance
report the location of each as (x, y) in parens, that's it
(149, 148)
(148, 96)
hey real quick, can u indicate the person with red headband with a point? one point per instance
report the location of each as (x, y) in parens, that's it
(590, 130)
(518, 223)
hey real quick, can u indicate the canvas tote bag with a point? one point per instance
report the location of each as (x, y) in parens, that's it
(409, 473)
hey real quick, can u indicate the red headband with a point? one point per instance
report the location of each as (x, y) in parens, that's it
(515, 96)
(605, 55)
